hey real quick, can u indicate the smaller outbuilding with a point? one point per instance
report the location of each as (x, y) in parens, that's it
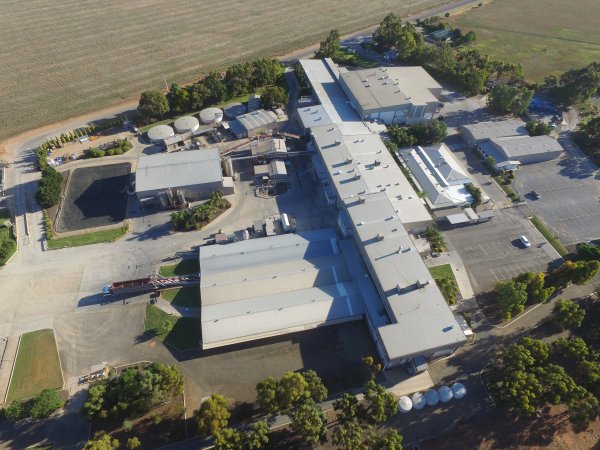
(159, 133)
(254, 123)
(192, 175)
(511, 152)
(479, 132)
(186, 124)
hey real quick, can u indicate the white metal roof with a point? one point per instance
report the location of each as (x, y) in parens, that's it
(391, 87)
(519, 146)
(268, 286)
(188, 168)
(256, 119)
(186, 124)
(160, 132)
(493, 129)
(380, 203)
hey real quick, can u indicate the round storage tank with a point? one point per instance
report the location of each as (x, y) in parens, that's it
(159, 133)
(186, 124)
(211, 116)
(234, 109)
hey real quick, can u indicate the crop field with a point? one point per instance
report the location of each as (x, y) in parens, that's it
(546, 36)
(62, 58)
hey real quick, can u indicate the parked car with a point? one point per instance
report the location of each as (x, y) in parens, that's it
(525, 241)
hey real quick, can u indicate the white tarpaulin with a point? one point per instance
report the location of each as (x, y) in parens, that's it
(418, 400)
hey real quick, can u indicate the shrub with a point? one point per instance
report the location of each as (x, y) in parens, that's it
(95, 153)
(48, 193)
(45, 403)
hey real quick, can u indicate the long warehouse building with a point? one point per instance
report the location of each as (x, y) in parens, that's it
(378, 208)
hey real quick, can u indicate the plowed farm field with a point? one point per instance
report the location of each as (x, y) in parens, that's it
(63, 58)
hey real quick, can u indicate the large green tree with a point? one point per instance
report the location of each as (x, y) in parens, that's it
(387, 34)
(238, 78)
(178, 99)
(45, 403)
(273, 97)
(215, 86)
(308, 420)
(567, 313)
(48, 193)
(102, 441)
(213, 415)
(505, 99)
(153, 105)
(380, 403)
(389, 440)
(330, 46)
(512, 297)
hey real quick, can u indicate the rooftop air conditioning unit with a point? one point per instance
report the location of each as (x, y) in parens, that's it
(380, 237)
(357, 176)
(348, 160)
(421, 284)
(338, 142)
(361, 200)
(377, 163)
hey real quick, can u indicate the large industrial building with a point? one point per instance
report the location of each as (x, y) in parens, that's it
(275, 285)
(192, 175)
(370, 267)
(509, 143)
(439, 175)
(392, 95)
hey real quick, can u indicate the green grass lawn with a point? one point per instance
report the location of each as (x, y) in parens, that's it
(188, 297)
(96, 237)
(185, 332)
(5, 236)
(37, 366)
(551, 237)
(183, 267)
(444, 271)
(545, 36)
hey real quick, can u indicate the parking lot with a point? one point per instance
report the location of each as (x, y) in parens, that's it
(492, 252)
(570, 195)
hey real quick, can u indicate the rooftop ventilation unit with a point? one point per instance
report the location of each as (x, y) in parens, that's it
(349, 160)
(357, 176)
(338, 142)
(399, 288)
(361, 200)
(380, 237)
(377, 163)
(421, 284)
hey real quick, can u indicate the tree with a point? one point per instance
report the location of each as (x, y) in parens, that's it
(308, 420)
(133, 443)
(511, 297)
(429, 132)
(585, 410)
(316, 388)
(349, 436)
(237, 79)
(16, 410)
(387, 34)
(578, 85)
(475, 193)
(273, 97)
(178, 99)
(574, 349)
(48, 193)
(347, 408)
(45, 403)
(292, 390)
(153, 105)
(537, 128)
(504, 99)
(258, 436)
(588, 251)
(588, 374)
(568, 314)
(559, 387)
(95, 402)
(197, 95)
(102, 441)
(265, 72)
(577, 272)
(381, 404)
(406, 45)
(228, 439)
(214, 85)
(330, 46)
(390, 440)
(401, 136)
(372, 365)
(267, 395)
(212, 415)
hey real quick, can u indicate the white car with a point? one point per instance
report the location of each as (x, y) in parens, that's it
(525, 241)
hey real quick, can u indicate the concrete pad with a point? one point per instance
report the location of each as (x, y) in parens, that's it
(404, 386)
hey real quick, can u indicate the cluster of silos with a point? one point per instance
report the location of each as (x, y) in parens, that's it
(159, 133)
(186, 124)
(211, 116)
(432, 397)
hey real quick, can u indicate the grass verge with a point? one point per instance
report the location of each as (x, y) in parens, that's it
(37, 366)
(183, 333)
(443, 271)
(188, 297)
(509, 191)
(8, 244)
(96, 237)
(551, 237)
(183, 267)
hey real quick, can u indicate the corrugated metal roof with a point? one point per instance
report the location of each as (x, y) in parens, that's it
(187, 168)
(519, 146)
(259, 287)
(493, 129)
(256, 119)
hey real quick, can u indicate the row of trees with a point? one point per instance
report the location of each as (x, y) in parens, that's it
(531, 374)
(195, 218)
(512, 295)
(467, 69)
(238, 79)
(117, 147)
(298, 395)
(418, 134)
(133, 393)
(103, 441)
(49, 190)
(588, 136)
(537, 128)
(575, 85)
(38, 407)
